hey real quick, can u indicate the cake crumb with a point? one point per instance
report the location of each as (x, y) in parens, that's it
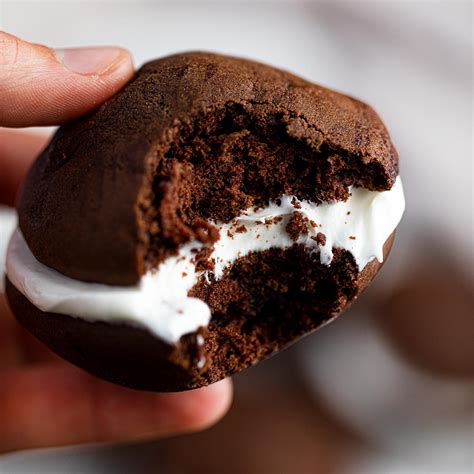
(352, 237)
(241, 229)
(295, 203)
(320, 239)
(273, 220)
(203, 261)
(348, 213)
(205, 232)
(298, 224)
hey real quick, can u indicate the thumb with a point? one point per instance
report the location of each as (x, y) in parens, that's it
(43, 86)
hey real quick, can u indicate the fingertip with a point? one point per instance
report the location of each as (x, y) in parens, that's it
(96, 61)
(121, 70)
(99, 72)
(213, 403)
(50, 87)
(193, 410)
(124, 62)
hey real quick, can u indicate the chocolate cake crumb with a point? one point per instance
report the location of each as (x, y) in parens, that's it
(352, 237)
(295, 203)
(269, 221)
(298, 224)
(313, 224)
(348, 213)
(205, 232)
(202, 260)
(241, 229)
(320, 238)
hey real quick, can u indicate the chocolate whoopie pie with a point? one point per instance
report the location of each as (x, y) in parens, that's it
(211, 213)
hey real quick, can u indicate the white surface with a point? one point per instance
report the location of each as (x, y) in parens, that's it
(419, 421)
(160, 301)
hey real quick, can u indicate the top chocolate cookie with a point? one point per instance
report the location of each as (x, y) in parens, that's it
(193, 138)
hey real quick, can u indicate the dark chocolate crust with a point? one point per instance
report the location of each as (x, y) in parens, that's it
(289, 309)
(97, 204)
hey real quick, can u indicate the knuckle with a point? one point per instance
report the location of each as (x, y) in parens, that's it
(9, 46)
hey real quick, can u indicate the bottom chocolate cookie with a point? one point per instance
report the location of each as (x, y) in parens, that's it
(264, 302)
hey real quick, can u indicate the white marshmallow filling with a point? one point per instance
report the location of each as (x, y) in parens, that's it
(160, 301)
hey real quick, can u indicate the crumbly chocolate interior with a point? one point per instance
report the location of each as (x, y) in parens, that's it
(263, 302)
(218, 165)
(228, 160)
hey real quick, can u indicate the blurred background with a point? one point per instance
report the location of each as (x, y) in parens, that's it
(389, 386)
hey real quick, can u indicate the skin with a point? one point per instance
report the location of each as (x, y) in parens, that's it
(45, 401)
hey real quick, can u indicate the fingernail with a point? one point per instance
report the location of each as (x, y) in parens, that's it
(88, 60)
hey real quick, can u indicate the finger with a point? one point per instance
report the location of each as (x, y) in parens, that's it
(59, 404)
(42, 86)
(17, 151)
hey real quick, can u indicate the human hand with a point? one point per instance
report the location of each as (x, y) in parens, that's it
(45, 401)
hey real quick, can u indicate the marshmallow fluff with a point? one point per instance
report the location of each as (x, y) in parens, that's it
(160, 301)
